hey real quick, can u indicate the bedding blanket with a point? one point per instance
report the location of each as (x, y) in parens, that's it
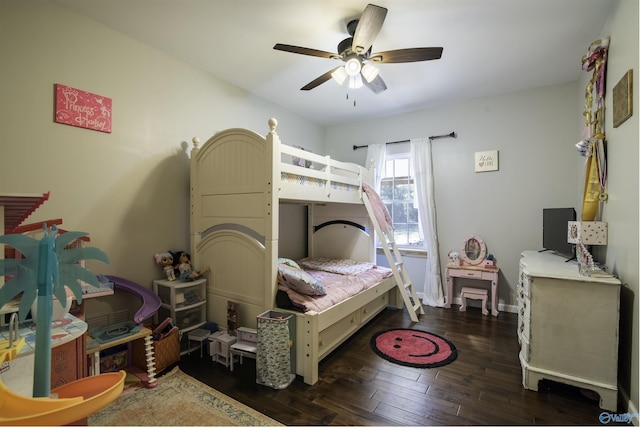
(338, 286)
(347, 267)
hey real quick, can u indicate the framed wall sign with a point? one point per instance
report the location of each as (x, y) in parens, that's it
(87, 110)
(623, 99)
(486, 161)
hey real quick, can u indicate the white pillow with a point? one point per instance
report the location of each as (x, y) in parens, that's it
(299, 280)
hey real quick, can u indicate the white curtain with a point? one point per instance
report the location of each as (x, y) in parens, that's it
(376, 158)
(424, 197)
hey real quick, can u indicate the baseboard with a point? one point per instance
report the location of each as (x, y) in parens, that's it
(501, 307)
(508, 308)
(631, 407)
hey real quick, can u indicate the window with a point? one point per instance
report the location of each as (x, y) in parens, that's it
(396, 191)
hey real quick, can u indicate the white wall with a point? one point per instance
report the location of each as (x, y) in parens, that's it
(621, 210)
(534, 132)
(128, 189)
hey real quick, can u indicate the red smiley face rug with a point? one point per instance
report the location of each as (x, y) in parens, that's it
(410, 347)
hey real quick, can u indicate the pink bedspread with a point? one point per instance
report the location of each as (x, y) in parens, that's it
(339, 287)
(379, 209)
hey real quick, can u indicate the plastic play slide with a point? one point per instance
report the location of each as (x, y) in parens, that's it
(75, 400)
(150, 301)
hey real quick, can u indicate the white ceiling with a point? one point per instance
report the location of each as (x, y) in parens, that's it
(490, 46)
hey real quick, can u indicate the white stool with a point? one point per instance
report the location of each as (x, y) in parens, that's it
(474, 293)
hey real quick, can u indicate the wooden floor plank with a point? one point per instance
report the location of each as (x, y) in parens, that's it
(386, 381)
(400, 416)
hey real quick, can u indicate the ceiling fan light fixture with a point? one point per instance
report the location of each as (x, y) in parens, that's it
(369, 72)
(355, 53)
(355, 82)
(353, 67)
(339, 75)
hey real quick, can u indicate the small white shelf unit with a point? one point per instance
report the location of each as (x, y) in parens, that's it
(184, 302)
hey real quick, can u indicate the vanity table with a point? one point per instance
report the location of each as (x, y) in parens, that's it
(472, 263)
(473, 272)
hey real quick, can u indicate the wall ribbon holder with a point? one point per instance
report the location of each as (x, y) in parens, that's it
(593, 143)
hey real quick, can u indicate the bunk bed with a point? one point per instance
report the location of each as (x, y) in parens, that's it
(238, 181)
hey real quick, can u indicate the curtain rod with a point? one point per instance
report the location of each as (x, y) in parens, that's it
(431, 138)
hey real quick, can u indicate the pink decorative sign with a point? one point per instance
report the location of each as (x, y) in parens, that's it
(76, 107)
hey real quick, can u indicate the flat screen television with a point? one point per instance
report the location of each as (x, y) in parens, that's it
(554, 231)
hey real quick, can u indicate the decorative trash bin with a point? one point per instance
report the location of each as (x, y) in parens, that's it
(274, 348)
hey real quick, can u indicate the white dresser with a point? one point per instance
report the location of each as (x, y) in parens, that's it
(568, 326)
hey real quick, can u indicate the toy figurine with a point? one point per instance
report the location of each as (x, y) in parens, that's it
(454, 258)
(165, 260)
(187, 273)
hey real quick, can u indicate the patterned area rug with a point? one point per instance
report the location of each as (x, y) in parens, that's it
(415, 348)
(178, 400)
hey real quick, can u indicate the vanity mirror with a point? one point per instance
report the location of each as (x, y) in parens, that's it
(473, 250)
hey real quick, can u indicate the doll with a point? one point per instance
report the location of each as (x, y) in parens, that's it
(165, 260)
(187, 273)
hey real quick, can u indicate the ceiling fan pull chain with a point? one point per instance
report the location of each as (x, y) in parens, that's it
(354, 99)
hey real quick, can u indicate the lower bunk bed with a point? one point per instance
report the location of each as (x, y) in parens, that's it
(331, 300)
(322, 322)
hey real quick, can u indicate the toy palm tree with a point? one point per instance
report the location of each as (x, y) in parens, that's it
(48, 265)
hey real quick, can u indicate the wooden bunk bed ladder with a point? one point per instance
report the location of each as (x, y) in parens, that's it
(403, 281)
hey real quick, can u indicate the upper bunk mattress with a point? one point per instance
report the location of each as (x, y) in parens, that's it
(340, 279)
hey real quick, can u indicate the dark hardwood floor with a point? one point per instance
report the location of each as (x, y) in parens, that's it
(357, 387)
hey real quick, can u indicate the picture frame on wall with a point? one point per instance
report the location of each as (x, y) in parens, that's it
(486, 161)
(79, 108)
(623, 99)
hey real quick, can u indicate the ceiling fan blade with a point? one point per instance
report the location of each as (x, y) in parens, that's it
(368, 28)
(377, 85)
(317, 82)
(407, 55)
(306, 51)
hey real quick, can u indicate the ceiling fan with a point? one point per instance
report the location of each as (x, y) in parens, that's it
(355, 51)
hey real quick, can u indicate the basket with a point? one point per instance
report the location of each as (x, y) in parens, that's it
(166, 352)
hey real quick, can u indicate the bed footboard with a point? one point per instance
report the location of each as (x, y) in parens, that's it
(318, 334)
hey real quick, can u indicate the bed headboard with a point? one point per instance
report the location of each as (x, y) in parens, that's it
(229, 179)
(341, 232)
